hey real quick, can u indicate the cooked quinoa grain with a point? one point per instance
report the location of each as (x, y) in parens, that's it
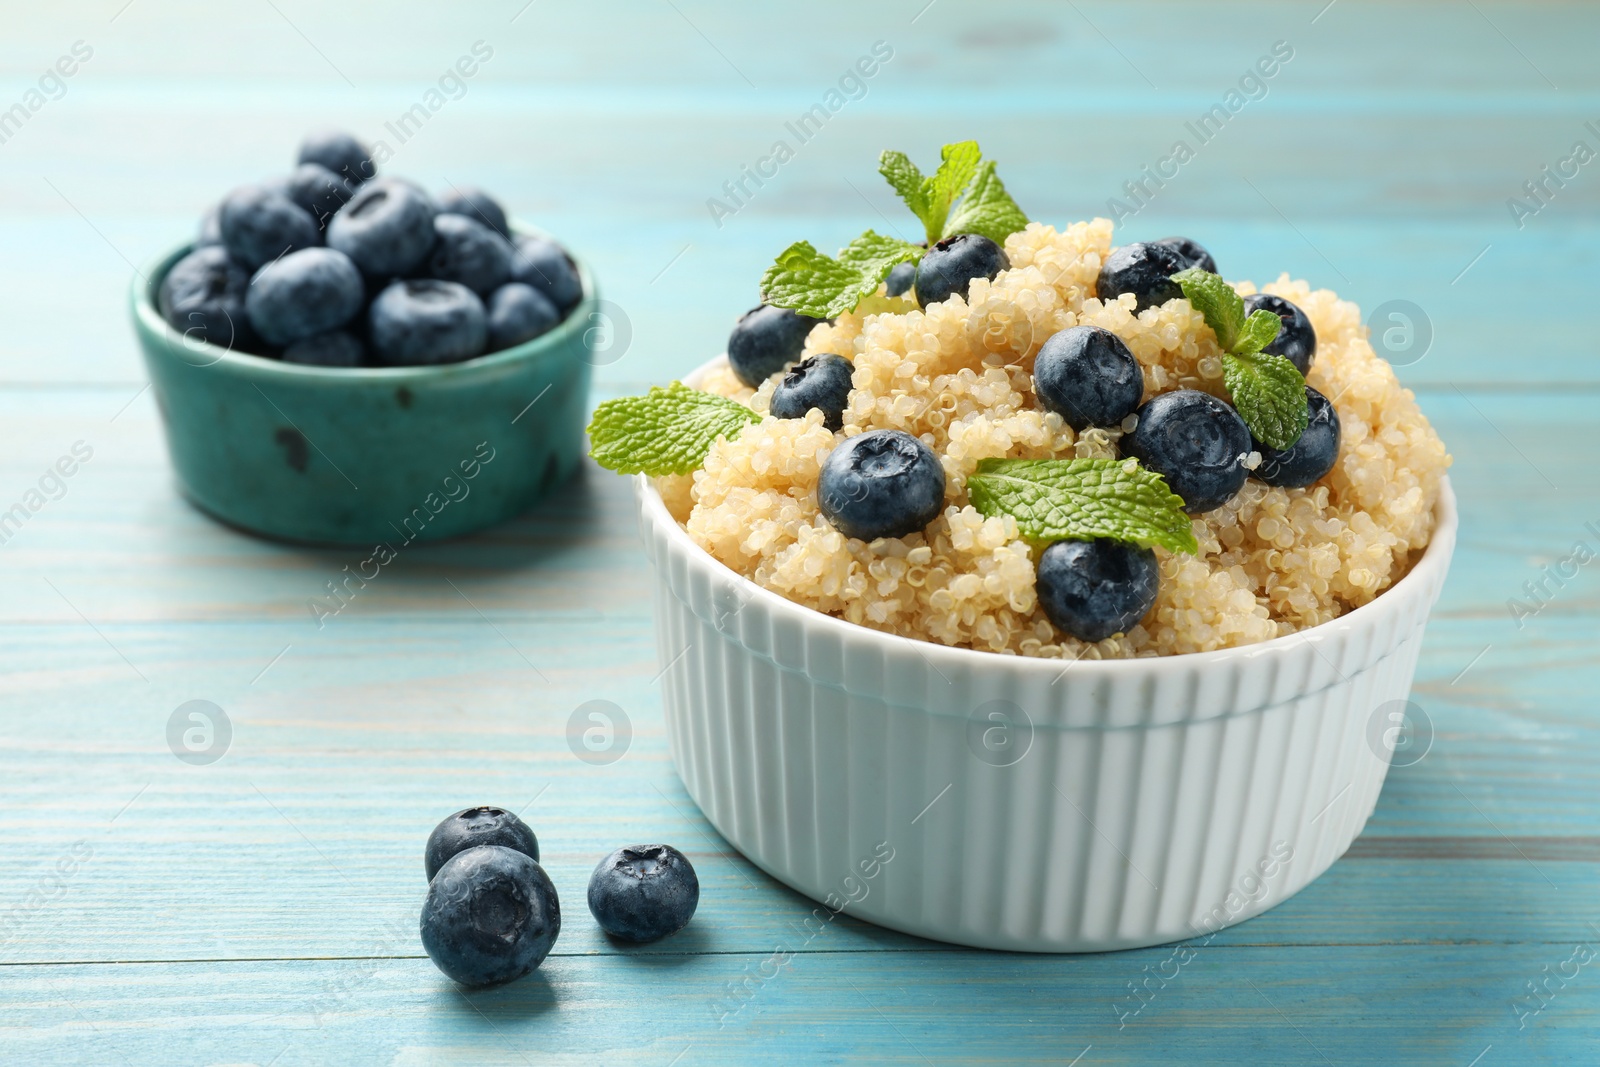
(959, 376)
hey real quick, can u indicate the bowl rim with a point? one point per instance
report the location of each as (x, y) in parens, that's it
(148, 320)
(1433, 565)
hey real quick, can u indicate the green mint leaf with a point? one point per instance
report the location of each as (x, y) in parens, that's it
(666, 431)
(1260, 330)
(1269, 394)
(819, 286)
(1215, 299)
(1082, 499)
(987, 209)
(958, 164)
(906, 180)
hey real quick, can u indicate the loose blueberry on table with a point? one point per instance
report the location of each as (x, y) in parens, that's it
(471, 827)
(643, 892)
(491, 915)
(305, 268)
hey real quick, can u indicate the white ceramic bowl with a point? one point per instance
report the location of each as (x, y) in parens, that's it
(1015, 803)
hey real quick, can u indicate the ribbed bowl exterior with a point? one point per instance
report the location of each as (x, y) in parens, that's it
(1009, 803)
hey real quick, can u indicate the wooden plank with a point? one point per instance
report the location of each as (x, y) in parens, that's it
(1218, 1006)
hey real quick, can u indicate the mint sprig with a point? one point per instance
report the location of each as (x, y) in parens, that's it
(1268, 391)
(1083, 499)
(964, 195)
(816, 285)
(666, 431)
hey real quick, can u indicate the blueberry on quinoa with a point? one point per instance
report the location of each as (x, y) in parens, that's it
(425, 321)
(1309, 458)
(900, 279)
(883, 483)
(387, 228)
(210, 228)
(947, 269)
(1095, 589)
(1194, 441)
(203, 295)
(545, 265)
(340, 153)
(1143, 269)
(518, 313)
(764, 340)
(1087, 376)
(336, 348)
(259, 224)
(1296, 340)
(467, 251)
(476, 205)
(822, 382)
(303, 294)
(643, 892)
(491, 915)
(471, 827)
(1193, 253)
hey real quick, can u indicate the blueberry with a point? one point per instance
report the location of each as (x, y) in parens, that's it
(822, 382)
(491, 915)
(1296, 340)
(303, 294)
(764, 340)
(202, 297)
(1094, 589)
(467, 251)
(259, 225)
(472, 827)
(1194, 441)
(476, 205)
(643, 892)
(387, 228)
(426, 321)
(545, 265)
(947, 269)
(210, 228)
(336, 348)
(883, 483)
(518, 313)
(1193, 253)
(340, 153)
(1088, 377)
(1145, 270)
(900, 279)
(1309, 458)
(319, 191)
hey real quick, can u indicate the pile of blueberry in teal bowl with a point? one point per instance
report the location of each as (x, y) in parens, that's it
(341, 357)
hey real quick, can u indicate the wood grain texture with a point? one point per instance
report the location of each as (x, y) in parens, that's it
(262, 909)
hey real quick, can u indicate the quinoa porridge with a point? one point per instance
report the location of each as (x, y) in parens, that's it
(958, 376)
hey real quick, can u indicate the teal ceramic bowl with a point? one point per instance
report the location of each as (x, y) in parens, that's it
(366, 456)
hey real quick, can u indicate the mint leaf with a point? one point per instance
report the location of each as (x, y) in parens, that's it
(905, 179)
(1216, 300)
(666, 431)
(1082, 499)
(987, 209)
(1270, 396)
(958, 163)
(1260, 330)
(1267, 390)
(819, 286)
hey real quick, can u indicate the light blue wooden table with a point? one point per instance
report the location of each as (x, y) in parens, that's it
(262, 909)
